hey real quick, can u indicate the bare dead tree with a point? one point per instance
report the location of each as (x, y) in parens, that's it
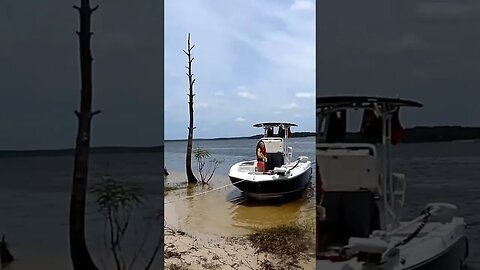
(81, 258)
(188, 163)
(5, 256)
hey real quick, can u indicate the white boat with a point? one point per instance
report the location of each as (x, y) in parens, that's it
(284, 175)
(362, 198)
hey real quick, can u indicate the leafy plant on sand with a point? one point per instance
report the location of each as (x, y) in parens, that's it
(292, 241)
(118, 201)
(206, 165)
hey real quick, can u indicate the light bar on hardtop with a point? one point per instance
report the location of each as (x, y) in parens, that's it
(275, 124)
(363, 101)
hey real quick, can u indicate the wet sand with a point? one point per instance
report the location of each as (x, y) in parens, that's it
(210, 229)
(185, 251)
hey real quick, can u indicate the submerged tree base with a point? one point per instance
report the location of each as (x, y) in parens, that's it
(5, 256)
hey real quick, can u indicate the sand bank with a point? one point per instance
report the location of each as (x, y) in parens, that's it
(183, 251)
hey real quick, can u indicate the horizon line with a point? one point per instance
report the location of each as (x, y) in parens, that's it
(172, 140)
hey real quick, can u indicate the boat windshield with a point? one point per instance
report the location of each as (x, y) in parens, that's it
(276, 129)
(353, 126)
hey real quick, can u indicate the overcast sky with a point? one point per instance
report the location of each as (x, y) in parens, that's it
(423, 50)
(254, 62)
(39, 73)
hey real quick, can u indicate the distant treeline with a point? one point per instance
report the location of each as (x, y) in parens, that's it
(294, 135)
(441, 134)
(412, 135)
(93, 150)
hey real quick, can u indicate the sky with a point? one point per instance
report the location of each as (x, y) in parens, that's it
(427, 51)
(39, 74)
(254, 62)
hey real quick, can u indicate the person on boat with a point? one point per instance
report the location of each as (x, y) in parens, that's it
(281, 132)
(336, 127)
(261, 156)
(270, 132)
(371, 126)
(397, 129)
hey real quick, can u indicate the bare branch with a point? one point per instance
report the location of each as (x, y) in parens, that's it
(95, 113)
(93, 9)
(77, 8)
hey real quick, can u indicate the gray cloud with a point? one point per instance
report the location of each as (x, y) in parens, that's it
(390, 48)
(39, 74)
(448, 9)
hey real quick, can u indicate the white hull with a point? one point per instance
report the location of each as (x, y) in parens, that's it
(285, 180)
(437, 244)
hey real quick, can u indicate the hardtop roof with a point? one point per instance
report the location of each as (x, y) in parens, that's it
(363, 101)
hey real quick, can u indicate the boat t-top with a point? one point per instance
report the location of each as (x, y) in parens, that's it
(359, 222)
(282, 174)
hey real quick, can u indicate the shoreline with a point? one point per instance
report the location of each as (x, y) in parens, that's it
(183, 251)
(190, 248)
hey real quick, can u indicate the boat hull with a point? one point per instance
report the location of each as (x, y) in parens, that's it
(270, 189)
(452, 258)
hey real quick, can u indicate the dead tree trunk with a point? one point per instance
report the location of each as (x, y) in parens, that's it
(5, 256)
(188, 163)
(79, 253)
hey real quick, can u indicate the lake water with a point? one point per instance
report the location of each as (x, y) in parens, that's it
(444, 172)
(227, 211)
(34, 194)
(435, 172)
(34, 202)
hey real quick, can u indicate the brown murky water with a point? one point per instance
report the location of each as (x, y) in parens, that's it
(227, 211)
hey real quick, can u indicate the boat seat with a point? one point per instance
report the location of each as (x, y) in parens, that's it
(348, 214)
(274, 160)
(348, 166)
(349, 172)
(351, 182)
(273, 145)
(275, 152)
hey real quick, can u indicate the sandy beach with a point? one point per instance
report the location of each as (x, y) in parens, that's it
(215, 230)
(208, 232)
(185, 251)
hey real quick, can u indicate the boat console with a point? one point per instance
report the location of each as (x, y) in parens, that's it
(275, 152)
(361, 195)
